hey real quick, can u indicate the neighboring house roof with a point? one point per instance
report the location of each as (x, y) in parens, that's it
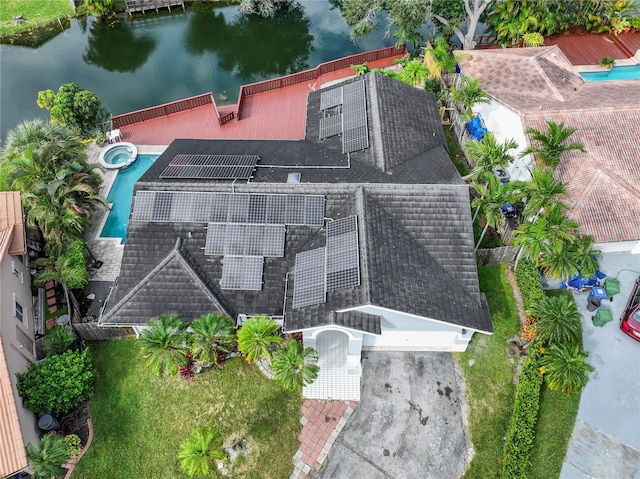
(13, 456)
(540, 84)
(12, 223)
(415, 238)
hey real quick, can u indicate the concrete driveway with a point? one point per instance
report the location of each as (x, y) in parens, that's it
(408, 423)
(606, 437)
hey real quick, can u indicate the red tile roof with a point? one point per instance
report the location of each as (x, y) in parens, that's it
(604, 183)
(11, 219)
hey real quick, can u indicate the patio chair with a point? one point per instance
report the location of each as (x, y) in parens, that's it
(602, 317)
(612, 287)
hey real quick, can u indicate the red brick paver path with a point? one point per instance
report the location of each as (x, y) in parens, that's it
(321, 421)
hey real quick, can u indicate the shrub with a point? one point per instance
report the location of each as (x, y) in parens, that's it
(606, 62)
(533, 39)
(520, 432)
(58, 384)
(46, 458)
(73, 444)
(528, 279)
(59, 340)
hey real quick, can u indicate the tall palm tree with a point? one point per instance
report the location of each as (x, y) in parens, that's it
(577, 257)
(211, 334)
(565, 368)
(295, 366)
(540, 193)
(46, 459)
(414, 73)
(550, 145)
(468, 93)
(256, 337)
(162, 345)
(488, 155)
(586, 256)
(199, 450)
(491, 197)
(558, 320)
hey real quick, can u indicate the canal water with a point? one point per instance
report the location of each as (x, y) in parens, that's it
(136, 63)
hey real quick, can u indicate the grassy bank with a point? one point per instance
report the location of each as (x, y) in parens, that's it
(140, 420)
(488, 371)
(36, 13)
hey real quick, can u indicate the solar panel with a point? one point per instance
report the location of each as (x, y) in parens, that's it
(330, 98)
(355, 133)
(343, 261)
(201, 207)
(245, 239)
(330, 126)
(242, 272)
(355, 139)
(309, 280)
(211, 166)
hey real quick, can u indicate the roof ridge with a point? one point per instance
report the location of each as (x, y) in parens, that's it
(360, 211)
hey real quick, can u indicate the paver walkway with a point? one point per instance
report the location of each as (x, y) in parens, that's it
(321, 422)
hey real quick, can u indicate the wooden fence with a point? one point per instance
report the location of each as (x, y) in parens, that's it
(494, 256)
(314, 73)
(119, 121)
(93, 332)
(143, 5)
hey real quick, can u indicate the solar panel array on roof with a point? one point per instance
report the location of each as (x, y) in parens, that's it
(355, 134)
(219, 167)
(245, 239)
(343, 263)
(202, 207)
(331, 98)
(309, 280)
(242, 272)
(330, 126)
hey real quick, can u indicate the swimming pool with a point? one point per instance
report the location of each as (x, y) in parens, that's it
(121, 196)
(615, 73)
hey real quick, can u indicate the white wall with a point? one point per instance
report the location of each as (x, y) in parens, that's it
(632, 247)
(404, 332)
(505, 124)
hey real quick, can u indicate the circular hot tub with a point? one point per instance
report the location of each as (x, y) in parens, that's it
(119, 155)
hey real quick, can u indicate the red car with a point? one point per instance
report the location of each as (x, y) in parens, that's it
(630, 320)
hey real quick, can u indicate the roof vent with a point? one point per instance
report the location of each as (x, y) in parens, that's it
(293, 178)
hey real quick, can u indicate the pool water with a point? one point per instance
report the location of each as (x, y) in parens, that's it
(121, 196)
(615, 73)
(117, 155)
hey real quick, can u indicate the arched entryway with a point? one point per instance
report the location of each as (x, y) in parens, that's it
(335, 379)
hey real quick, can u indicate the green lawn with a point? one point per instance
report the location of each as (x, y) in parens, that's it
(140, 419)
(488, 371)
(36, 13)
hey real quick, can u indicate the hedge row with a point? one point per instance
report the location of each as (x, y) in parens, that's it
(520, 435)
(528, 279)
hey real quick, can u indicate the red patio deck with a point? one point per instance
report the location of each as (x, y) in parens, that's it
(274, 114)
(588, 49)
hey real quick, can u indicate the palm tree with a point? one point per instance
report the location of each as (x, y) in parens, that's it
(294, 366)
(46, 458)
(469, 93)
(586, 256)
(162, 345)
(540, 193)
(558, 320)
(59, 340)
(211, 334)
(550, 145)
(491, 197)
(488, 155)
(576, 257)
(256, 337)
(565, 368)
(414, 73)
(198, 451)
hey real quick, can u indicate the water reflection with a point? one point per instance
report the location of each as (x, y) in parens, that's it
(113, 46)
(251, 46)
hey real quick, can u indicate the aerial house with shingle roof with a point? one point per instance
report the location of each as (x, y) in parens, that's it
(359, 236)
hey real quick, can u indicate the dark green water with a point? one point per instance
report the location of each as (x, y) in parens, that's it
(133, 64)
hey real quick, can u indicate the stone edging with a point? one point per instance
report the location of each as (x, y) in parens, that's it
(71, 465)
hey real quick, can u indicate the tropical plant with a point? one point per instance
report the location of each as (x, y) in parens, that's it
(295, 366)
(549, 146)
(586, 256)
(405, 37)
(491, 196)
(558, 320)
(162, 345)
(606, 62)
(256, 337)
(59, 340)
(539, 194)
(488, 155)
(577, 257)
(209, 336)
(99, 7)
(198, 452)
(532, 39)
(469, 93)
(361, 69)
(414, 73)
(57, 384)
(565, 368)
(438, 58)
(47, 457)
(74, 446)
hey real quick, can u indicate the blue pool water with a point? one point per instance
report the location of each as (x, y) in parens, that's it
(121, 195)
(615, 73)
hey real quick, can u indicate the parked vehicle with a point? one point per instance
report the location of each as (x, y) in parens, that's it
(630, 319)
